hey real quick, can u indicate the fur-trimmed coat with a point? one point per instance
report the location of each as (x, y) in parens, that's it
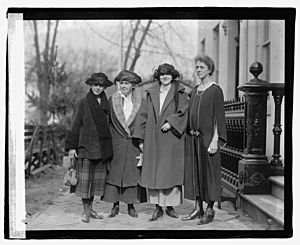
(163, 163)
(123, 170)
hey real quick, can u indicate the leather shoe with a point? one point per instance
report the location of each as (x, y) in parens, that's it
(114, 211)
(193, 215)
(171, 212)
(209, 217)
(95, 215)
(158, 212)
(85, 218)
(132, 212)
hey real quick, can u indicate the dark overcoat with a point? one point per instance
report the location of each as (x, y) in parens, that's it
(123, 170)
(163, 165)
(83, 135)
(210, 110)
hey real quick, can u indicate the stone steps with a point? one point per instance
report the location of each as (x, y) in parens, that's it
(267, 209)
(277, 186)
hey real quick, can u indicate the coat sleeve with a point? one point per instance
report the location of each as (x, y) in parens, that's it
(219, 115)
(141, 119)
(72, 135)
(178, 121)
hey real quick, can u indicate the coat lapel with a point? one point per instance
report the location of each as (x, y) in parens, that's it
(136, 100)
(168, 99)
(118, 109)
(117, 106)
(154, 94)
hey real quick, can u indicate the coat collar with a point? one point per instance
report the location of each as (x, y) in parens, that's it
(118, 109)
(154, 94)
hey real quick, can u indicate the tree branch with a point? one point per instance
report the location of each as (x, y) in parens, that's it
(132, 38)
(138, 51)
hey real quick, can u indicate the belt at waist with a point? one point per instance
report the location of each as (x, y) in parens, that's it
(196, 133)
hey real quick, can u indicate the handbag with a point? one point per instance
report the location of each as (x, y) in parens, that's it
(71, 177)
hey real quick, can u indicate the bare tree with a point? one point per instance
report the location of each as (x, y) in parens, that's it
(47, 68)
(145, 36)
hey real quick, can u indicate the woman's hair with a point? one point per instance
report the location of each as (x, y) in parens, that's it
(207, 61)
(170, 70)
(165, 69)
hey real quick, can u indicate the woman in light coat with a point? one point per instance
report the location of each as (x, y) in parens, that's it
(160, 127)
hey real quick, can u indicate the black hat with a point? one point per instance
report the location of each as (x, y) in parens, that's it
(129, 76)
(166, 69)
(99, 78)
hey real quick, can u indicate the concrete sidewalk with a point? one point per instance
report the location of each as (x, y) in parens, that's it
(65, 214)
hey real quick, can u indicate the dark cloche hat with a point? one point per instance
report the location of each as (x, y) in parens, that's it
(166, 69)
(99, 78)
(129, 76)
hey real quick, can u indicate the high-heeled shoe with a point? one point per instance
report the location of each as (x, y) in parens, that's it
(192, 215)
(158, 212)
(209, 217)
(132, 213)
(114, 211)
(171, 212)
(95, 215)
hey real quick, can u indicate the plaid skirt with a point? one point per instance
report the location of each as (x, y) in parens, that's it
(91, 178)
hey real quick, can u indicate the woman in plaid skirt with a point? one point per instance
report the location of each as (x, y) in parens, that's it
(89, 140)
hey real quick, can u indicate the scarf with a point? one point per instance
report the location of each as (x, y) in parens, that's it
(99, 114)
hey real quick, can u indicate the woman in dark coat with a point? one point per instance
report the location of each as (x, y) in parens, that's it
(206, 131)
(160, 127)
(123, 176)
(89, 140)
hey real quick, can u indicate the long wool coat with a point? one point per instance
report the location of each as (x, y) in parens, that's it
(163, 165)
(210, 109)
(123, 171)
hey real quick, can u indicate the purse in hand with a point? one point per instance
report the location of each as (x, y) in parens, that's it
(71, 177)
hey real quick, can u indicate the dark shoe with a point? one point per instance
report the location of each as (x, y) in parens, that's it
(193, 215)
(158, 212)
(209, 217)
(85, 218)
(86, 213)
(95, 215)
(114, 211)
(132, 212)
(171, 212)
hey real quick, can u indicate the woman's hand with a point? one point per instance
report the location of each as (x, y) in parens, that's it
(213, 147)
(72, 153)
(141, 146)
(166, 127)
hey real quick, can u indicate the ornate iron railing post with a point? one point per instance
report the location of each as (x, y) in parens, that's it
(277, 93)
(254, 168)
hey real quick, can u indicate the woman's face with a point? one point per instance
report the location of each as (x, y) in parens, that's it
(97, 89)
(202, 70)
(126, 87)
(165, 79)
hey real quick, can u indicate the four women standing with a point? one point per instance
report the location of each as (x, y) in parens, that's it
(158, 123)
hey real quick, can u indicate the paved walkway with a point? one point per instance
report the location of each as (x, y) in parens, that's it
(65, 214)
